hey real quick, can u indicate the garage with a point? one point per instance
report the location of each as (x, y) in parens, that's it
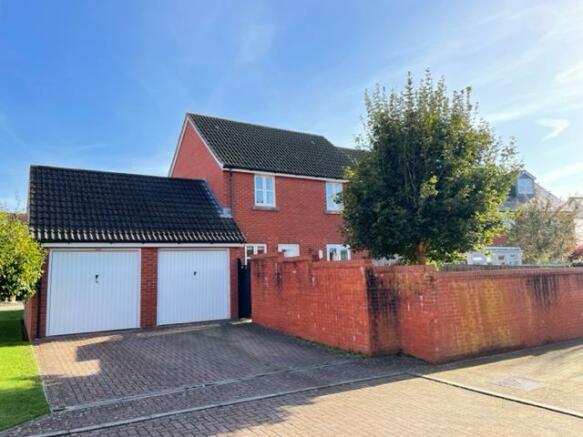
(93, 290)
(193, 286)
(128, 251)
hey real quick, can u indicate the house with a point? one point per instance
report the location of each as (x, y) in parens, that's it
(279, 185)
(127, 251)
(577, 202)
(501, 252)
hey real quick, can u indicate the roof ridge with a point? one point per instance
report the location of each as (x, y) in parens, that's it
(89, 170)
(260, 125)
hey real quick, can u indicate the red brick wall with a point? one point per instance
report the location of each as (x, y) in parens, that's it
(323, 302)
(149, 287)
(461, 314)
(300, 215)
(195, 162)
(431, 315)
(31, 316)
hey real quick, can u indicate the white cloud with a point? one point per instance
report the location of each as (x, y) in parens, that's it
(563, 172)
(557, 125)
(573, 74)
(511, 113)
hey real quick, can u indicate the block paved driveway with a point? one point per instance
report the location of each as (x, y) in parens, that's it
(241, 379)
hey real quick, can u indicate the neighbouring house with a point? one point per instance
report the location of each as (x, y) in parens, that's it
(577, 202)
(128, 251)
(501, 252)
(279, 185)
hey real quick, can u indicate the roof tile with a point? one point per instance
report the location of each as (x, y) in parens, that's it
(91, 206)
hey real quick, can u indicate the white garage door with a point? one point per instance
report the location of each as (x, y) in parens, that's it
(93, 291)
(193, 286)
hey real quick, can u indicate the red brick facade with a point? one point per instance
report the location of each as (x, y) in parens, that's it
(435, 316)
(148, 293)
(299, 217)
(148, 287)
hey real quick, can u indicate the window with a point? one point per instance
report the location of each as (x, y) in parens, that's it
(337, 252)
(264, 191)
(525, 186)
(254, 249)
(289, 249)
(332, 191)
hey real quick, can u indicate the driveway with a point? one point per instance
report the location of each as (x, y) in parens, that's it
(242, 379)
(80, 371)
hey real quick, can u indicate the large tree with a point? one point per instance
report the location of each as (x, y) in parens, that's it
(432, 182)
(21, 258)
(544, 232)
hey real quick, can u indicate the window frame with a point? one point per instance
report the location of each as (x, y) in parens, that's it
(280, 249)
(264, 190)
(336, 207)
(255, 247)
(339, 247)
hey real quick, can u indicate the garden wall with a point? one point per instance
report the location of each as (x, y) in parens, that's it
(435, 316)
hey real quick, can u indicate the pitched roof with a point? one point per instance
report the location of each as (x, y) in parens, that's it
(516, 200)
(70, 205)
(248, 146)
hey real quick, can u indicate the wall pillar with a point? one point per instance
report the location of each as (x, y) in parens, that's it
(149, 287)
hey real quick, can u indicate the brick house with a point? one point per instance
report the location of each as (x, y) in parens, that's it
(279, 185)
(502, 252)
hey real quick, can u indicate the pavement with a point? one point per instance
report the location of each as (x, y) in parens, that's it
(241, 379)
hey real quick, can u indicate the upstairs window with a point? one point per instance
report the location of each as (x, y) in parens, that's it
(332, 191)
(525, 186)
(264, 191)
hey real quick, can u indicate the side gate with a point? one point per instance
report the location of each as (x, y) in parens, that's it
(244, 279)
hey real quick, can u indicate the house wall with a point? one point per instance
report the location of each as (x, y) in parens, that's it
(299, 218)
(148, 293)
(435, 316)
(194, 161)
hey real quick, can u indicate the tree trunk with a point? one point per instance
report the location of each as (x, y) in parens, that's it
(421, 252)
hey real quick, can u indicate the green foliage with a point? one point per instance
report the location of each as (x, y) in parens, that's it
(21, 259)
(545, 233)
(432, 183)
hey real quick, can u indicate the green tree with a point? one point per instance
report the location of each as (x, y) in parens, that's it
(434, 177)
(21, 259)
(545, 233)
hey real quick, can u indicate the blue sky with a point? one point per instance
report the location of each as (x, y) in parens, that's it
(105, 84)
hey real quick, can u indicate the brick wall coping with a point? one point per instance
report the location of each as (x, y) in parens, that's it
(512, 273)
(418, 268)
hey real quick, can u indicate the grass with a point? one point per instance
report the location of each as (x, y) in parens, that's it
(21, 394)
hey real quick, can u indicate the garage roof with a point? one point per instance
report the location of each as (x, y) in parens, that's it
(71, 205)
(249, 146)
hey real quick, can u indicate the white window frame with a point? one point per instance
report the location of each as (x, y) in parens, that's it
(255, 247)
(285, 246)
(339, 248)
(332, 190)
(264, 190)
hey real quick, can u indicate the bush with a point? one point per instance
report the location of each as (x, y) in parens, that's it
(21, 259)
(576, 257)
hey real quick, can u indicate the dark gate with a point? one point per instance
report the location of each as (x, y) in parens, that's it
(244, 278)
